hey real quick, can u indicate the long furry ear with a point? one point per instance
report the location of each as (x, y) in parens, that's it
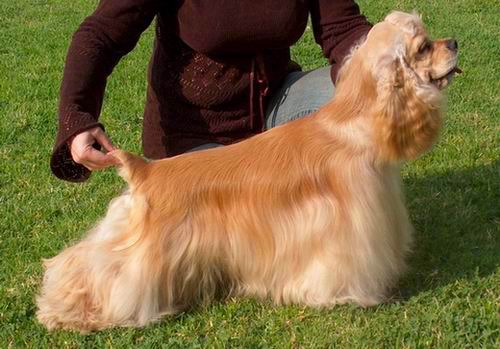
(407, 112)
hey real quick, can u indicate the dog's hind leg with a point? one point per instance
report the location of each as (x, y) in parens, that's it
(112, 278)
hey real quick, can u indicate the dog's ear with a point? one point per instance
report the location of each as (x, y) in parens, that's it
(407, 113)
(390, 72)
(130, 165)
(397, 74)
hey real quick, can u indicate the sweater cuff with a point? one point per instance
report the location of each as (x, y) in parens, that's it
(61, 163)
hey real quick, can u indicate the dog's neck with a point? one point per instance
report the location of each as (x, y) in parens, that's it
(347, 116)
(355, 92)
(391, 126)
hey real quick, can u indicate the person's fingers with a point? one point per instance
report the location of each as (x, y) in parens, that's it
(116, 160)
(96, 160)
(80, 143)
(84, 153)
(79, 152)
(110, 160)
(88, 157)
(103, 139)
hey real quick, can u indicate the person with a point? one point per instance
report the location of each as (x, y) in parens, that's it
(220, 72)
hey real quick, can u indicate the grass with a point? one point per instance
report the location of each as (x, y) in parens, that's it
(450, 297)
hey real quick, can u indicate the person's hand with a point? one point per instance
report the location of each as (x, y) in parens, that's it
(85, 154)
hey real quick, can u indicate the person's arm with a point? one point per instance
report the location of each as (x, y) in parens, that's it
(101, 40)
(337, 26)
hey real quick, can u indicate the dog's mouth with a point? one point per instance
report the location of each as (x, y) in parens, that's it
(445, 79)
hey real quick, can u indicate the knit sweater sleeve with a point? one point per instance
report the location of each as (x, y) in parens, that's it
(101, 40)
(337, 26)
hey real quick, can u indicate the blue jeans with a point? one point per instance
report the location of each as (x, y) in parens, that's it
(301, 94)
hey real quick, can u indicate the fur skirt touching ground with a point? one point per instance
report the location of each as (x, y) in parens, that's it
(310, 212)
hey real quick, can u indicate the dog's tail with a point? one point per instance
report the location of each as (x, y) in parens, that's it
(130, 167)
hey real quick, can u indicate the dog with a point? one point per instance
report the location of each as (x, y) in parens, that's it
(310, 212)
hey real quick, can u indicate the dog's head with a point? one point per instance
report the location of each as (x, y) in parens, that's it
(401, 45)
(398, 73)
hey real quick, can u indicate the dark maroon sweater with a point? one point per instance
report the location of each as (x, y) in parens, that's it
(214, 64)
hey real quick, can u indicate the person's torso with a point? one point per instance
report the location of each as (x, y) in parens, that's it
(240, 26)
(215, 62)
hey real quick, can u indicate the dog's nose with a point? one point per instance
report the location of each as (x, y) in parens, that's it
(452, 44)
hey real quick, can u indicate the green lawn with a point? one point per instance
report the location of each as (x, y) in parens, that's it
(451, 296)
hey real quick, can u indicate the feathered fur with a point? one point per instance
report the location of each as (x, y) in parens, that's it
(310, 212)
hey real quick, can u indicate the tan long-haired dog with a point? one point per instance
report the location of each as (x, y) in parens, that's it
(310, 212)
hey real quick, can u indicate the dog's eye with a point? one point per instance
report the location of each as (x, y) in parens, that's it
(424, 47)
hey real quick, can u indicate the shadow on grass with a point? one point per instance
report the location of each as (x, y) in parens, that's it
(456, 220)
